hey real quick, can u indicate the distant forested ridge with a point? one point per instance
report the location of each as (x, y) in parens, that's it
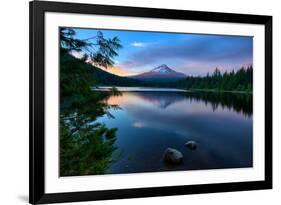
(98, 77)
(241, 80)
(94, 75)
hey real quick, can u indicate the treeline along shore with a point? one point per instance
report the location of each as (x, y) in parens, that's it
(240, 81)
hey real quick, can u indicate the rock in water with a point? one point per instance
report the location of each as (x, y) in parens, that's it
(173, 156)
(191, 145)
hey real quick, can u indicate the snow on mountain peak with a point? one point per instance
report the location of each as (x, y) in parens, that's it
(162, 72)
(163, 69)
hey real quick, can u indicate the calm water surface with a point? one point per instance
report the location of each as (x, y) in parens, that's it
(149, 121)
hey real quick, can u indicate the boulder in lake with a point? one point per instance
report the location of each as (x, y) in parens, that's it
(172, 156)
(191, 144)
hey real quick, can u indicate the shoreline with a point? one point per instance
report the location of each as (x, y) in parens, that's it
(133, 88)
(222, 91)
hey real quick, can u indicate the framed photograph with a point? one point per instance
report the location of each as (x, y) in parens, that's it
(140, 102)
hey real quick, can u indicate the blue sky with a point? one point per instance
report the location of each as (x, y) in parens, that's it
(192, 54)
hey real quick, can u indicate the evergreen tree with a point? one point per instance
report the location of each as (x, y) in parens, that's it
(96, 50)
(241, 80)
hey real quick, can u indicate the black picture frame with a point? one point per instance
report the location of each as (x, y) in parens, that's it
(37, 193)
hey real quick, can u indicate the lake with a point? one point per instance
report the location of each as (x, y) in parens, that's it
(150, 120)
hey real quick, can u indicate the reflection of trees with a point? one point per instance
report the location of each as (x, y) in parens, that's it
(239, 102)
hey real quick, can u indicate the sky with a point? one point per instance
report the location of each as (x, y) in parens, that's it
(191, 54)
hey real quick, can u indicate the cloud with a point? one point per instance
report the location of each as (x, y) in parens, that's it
(199, 49)
(138, 44)
(138, 125)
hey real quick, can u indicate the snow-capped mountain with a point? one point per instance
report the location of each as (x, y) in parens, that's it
(162, 69)
(162, 72)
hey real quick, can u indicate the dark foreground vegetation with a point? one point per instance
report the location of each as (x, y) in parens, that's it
(86, 147)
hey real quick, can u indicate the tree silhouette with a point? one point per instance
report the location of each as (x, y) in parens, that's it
(85, 148)
(96, 49)
(241, 80)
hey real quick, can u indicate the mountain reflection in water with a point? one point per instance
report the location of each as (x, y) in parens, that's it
(151, 121)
